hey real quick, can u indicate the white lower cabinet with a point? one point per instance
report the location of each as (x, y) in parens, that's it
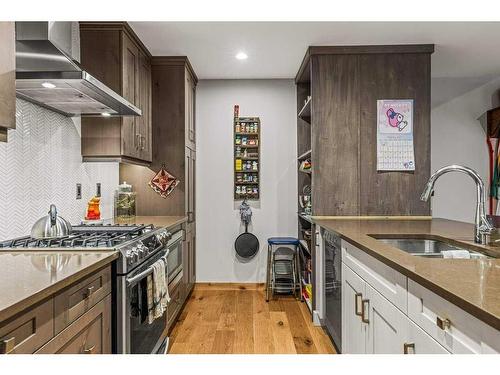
(373, 325)
(455, 329)
(353, 328)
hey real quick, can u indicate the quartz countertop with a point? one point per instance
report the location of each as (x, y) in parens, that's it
(471, 284)
(27, 278)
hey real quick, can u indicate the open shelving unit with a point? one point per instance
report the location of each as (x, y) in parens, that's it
(305, 112)
(305, 225)
(246, 143)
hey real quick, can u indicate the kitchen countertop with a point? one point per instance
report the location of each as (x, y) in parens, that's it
(27, 278)
(473, 285)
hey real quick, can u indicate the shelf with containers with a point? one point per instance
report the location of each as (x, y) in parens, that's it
(246, 158)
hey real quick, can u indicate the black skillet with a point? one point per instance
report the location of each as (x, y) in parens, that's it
(246, 244)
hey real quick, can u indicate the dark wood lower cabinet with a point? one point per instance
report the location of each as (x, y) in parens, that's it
(76, 320)
(89, 334)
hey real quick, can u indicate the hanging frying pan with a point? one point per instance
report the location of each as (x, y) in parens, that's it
(246, 244)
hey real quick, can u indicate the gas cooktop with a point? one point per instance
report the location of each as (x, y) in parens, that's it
(88, 236)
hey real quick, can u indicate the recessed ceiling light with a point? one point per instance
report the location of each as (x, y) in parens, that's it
(106, 114)
(241, 56)
(48, 85)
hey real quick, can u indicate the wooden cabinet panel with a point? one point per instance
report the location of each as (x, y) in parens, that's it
(190, 94)
(90, 334)
(175, 304)
(394, 76)
(130, 91)
(112, 53)
(27, 332)
(145, 122)
(335, 135)
(80, 297)
(7, 79)
(190, 185)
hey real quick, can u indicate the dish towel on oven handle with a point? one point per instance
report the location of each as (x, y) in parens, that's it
(158, 296)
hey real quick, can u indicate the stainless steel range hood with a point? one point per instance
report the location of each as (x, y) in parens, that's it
(48, 73)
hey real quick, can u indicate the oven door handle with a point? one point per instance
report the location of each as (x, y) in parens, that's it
(135, 279)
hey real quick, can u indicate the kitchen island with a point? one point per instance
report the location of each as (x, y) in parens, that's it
(469, 287)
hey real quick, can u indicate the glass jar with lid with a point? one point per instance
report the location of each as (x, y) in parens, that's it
(125, 201)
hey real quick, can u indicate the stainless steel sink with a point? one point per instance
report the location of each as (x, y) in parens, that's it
(426, 247)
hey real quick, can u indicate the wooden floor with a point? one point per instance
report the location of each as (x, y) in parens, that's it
(225, 319)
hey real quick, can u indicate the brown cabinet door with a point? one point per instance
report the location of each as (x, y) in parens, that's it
(192, 258)
(90, 334)
(7, 79)
(145, 121)
(190, 184)
(130, 91)
(190, 95)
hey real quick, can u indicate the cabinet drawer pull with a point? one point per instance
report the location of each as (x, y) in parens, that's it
(357, 297)
(407, 346)
(89, 350)
(443, 323)
(7, 345)
(363, 310)
(137, 141)
(89, 291)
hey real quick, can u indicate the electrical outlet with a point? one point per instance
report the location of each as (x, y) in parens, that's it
(98, 189)
(78, 191)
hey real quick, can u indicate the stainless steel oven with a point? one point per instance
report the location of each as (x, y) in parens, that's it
(174, 258)
(134, 333)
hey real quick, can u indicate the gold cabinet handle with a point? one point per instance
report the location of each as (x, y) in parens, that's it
(89, 350)
(363, 310)
(89, 291)
(7, 345)
(407, 346)
(443, 323)
(357, 297)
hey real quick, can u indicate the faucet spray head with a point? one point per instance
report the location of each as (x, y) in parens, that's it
(427, 191)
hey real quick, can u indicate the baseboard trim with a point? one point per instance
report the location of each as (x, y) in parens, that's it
(229, 286)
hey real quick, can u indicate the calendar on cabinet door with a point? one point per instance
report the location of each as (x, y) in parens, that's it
(395, 135)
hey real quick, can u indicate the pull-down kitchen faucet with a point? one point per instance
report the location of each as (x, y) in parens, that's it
(482, 225)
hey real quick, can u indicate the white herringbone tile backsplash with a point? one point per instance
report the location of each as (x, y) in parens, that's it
(41, 164)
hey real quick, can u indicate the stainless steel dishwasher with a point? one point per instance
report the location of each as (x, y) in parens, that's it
(333, 287)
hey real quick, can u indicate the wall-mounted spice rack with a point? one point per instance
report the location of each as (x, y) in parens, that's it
(246, 157)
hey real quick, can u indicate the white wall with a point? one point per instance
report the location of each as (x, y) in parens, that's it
(457, 138)
(40, 165)
(217, 218)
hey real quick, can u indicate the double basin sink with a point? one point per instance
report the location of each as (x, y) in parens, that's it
(430, 248)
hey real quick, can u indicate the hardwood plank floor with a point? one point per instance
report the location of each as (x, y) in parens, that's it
(236, 319)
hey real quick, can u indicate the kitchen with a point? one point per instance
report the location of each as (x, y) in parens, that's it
(167, 190)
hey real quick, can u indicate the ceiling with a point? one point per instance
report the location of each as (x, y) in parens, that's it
(465, 56)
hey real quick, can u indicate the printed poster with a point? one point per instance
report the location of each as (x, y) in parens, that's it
(395, 135)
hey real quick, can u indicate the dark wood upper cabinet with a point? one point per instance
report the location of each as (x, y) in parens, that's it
(7, 79)
(112, 53)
